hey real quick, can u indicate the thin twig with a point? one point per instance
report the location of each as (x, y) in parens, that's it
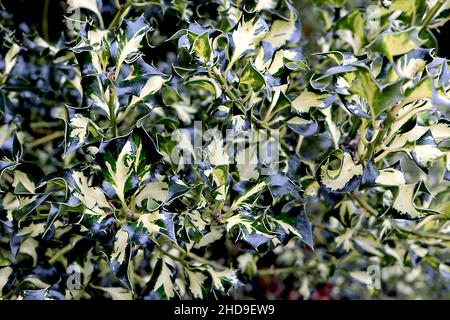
(439, 24)
(425, 234)
(48, 138)
(119, 14)
(45, 20)
(61, 252)
(277, 271)
(112, 113)
(365, 205)
(431, 14)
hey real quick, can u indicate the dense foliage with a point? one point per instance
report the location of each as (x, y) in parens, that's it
(195, 149)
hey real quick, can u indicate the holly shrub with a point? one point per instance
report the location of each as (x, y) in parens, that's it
(211, 149)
